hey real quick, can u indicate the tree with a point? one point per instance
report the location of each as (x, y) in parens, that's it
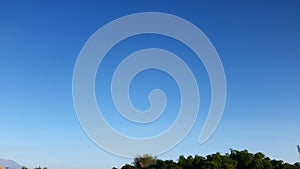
(127, 166)
(198, 162)
(144, 161)
(243, 158)
(233, 160)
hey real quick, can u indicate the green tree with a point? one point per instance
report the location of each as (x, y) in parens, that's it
(233, 160)
(186, 163)
(243, 158)
(127, 166)
(144, 161)
(228, 163)
(198, 162)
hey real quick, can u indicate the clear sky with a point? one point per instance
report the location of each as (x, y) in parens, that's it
(258, 43)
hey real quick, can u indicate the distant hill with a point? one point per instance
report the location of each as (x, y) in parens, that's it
(9, 163)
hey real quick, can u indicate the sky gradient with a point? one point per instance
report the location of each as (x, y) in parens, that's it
(258, 44)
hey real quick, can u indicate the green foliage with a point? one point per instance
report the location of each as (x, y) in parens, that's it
(24, 167)
(145, 161)
(127, 166)
(233, 160)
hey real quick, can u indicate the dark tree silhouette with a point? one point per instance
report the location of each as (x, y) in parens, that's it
(233, 160)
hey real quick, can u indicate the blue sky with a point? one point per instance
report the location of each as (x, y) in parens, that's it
(258, 43)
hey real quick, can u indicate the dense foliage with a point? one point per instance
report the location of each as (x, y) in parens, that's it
(233, 160)
(24, 167)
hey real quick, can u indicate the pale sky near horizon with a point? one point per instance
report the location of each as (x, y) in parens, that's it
(258, 44)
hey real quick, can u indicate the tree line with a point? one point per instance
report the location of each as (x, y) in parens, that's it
(24, 167)
(233, 160)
